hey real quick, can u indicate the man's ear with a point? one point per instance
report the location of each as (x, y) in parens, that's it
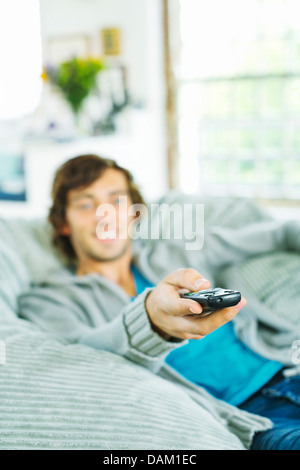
(65, 230)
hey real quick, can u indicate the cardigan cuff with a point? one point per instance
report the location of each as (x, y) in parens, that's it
(140, 333)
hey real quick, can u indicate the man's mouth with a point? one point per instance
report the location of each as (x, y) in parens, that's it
(107, 236)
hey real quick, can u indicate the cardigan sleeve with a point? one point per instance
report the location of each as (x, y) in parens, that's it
(129, 334)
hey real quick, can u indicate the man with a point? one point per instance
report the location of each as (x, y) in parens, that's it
(112, 257)
(94, 304)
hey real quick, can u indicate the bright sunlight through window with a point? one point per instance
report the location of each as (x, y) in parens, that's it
(238, 82)
(20, 58)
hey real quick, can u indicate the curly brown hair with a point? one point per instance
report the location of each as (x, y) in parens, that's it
(80, 172)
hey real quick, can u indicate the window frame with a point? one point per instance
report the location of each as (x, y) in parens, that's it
(173, 86)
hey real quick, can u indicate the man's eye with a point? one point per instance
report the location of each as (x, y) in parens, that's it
(120, 201)
(85, 206)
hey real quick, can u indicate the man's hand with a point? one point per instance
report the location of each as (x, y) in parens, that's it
(174, 317)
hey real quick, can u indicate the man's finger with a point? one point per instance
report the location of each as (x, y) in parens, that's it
(187, 278)
(206, 325)
(193, 327)
(183, 307)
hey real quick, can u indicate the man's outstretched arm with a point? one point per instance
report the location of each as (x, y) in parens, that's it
(144, 331)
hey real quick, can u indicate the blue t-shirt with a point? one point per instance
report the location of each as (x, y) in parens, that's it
(220, 362)
(141, 283)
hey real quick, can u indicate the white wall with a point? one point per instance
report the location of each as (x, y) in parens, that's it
(61, 18)
(140, 146)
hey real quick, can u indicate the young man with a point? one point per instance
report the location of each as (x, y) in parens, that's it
(94, 304)
(82, 233)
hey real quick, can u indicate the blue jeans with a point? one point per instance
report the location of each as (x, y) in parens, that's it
(279, 401)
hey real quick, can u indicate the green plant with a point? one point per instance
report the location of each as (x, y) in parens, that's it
(76, 78)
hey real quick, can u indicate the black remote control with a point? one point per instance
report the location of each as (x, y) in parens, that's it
(214, 299)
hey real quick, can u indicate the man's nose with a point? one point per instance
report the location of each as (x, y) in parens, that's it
(105, 212)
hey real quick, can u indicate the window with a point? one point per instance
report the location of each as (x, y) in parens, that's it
(20, 57)
(237, 73)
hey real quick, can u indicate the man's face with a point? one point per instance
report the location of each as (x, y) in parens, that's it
(83, 225)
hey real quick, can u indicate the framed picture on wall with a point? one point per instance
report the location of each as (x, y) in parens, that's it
(61, 48)
(12, 176)
(111, 41)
